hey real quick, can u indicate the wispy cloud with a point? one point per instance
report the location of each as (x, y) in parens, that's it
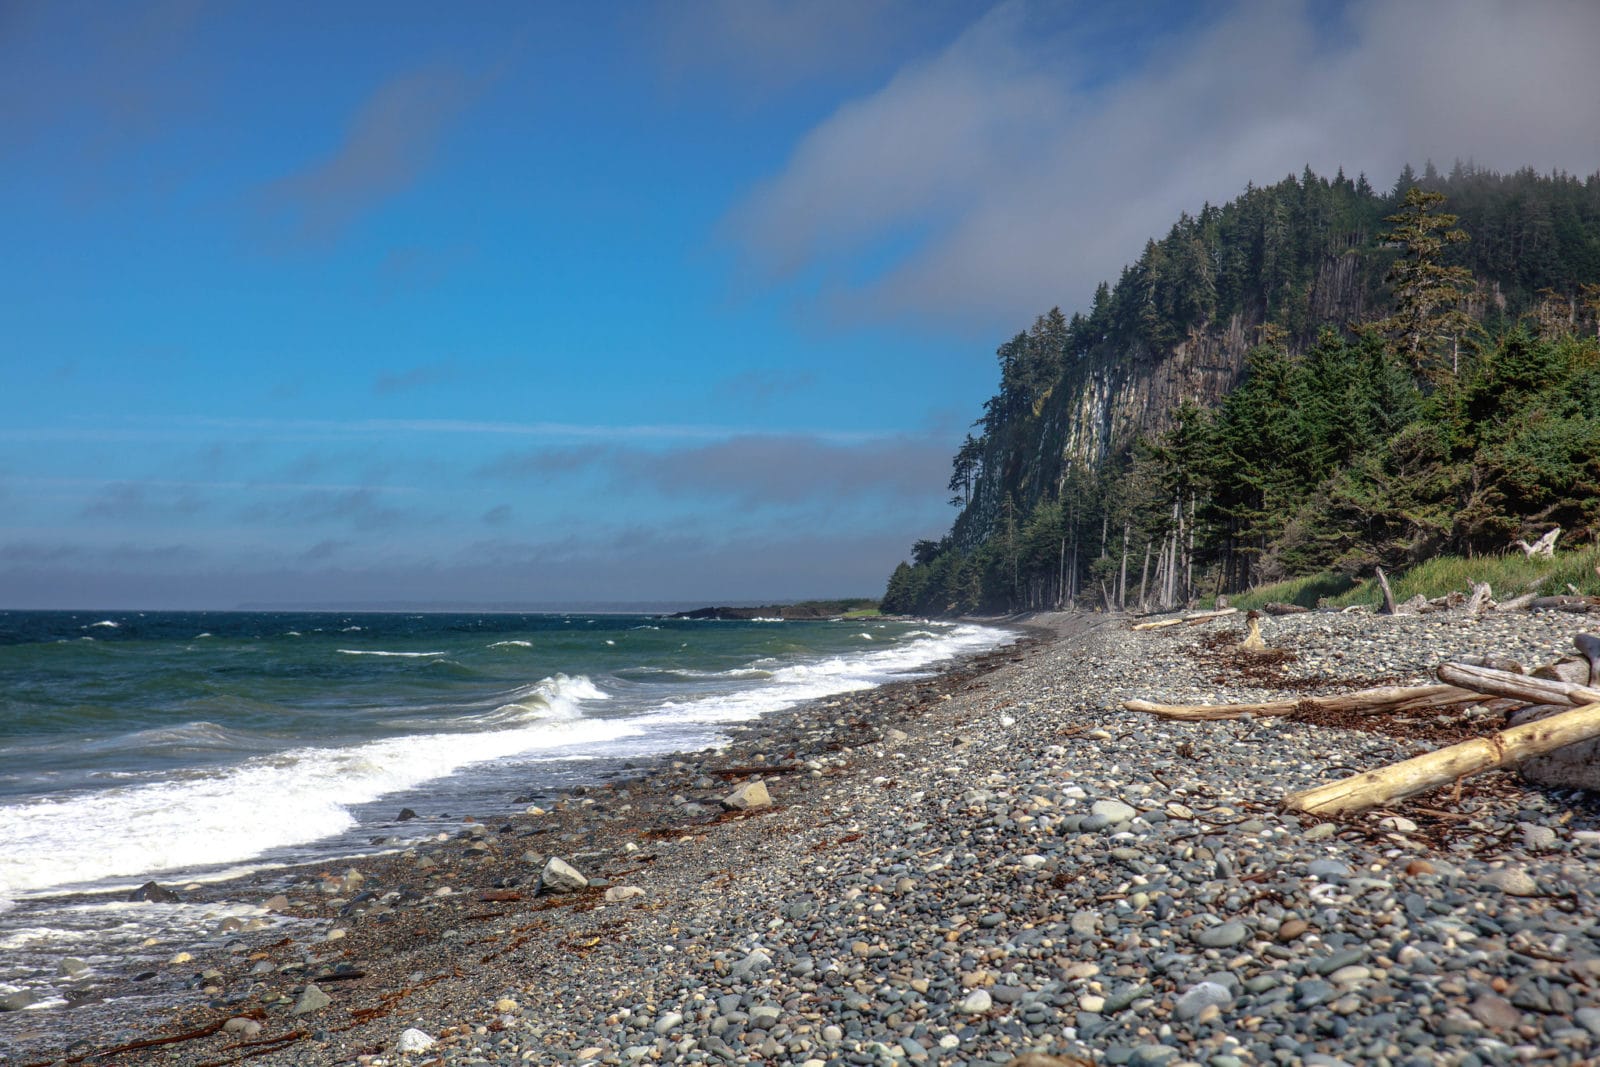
(122, 91)
(361, 509)
(1006, 173)
(152, 484)
(323, 551)
(571, 431)
(619, 564)
(540, 463)
(390, 141)
(180, 430)
(772, 45)
(762, 387)
(122, 501)
(417, 377)
(769, 470)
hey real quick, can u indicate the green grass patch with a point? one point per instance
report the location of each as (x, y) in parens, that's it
(1302, 591)
(1509, 576)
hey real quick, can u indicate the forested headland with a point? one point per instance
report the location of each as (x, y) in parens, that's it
(1314, 377)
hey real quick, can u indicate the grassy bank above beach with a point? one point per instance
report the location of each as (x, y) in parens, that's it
(1508, 575)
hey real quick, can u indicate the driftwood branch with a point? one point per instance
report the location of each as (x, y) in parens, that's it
(1207, 616)
(1389, 606)
(1505, 749)
(1192, 620)
(1383, 698)
(1545, 546)
(1523, 687)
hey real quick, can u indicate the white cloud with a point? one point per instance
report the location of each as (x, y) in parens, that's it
(993, 180)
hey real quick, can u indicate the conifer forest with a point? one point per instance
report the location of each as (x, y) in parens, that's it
(1317, 376)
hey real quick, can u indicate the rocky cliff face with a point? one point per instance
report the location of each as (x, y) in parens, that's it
(1118, 393)
(1126, 393)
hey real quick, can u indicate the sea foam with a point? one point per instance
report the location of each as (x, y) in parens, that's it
(269, 802)
(796, 683)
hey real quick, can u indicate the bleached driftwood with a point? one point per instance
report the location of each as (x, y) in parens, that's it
(1389, 606)
(1517, 603)
(1207, 616)
(1578, 605)
(1481, 598)
(1383, 698)
(1507, 748)
(1544, 547)
(1527, 688)
(1192, 620)
(1576, 766)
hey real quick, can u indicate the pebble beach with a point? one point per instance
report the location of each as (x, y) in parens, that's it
(996, 862)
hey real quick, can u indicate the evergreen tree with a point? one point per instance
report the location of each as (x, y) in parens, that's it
(1429, 320)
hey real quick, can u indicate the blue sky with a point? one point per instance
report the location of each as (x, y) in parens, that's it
(678, 301)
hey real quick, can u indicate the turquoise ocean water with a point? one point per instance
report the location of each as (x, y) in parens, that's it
(188, 746)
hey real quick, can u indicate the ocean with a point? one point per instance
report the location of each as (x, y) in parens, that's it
(190, 747)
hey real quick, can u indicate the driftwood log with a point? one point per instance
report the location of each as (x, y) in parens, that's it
(1422, 773)
(1526, 688)
(1191, 620)
(1389, 606)
(1577, 605)
(1207, 616)
(1545, 546)
(1383, 698)
(1554, 737)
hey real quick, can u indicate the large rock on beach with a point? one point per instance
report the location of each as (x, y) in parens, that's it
(559, 876)
(155, 894)
(313, 999)
(414, 1040)
(750, 795)
(18, 1000)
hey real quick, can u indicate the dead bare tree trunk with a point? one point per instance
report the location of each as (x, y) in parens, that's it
(1061, 574)
(1169, 596)
(1122, 575)
(1188, 557)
